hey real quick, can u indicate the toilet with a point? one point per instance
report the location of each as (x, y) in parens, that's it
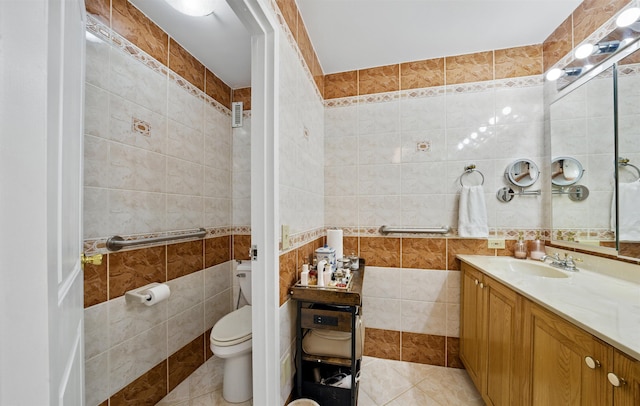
(231, 341)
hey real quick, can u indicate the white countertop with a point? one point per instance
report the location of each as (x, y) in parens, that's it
(605, 306)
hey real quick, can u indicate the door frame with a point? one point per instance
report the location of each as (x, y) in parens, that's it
(259, 20)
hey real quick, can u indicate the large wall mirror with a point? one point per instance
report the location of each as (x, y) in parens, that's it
(583, 155)
(596, 121)
(628, 186)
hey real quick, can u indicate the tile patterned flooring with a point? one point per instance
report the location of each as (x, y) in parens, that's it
(383, 382)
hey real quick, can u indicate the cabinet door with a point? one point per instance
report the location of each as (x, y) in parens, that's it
(627, 372)
(471, 321)
(500, 344)
(558, 373)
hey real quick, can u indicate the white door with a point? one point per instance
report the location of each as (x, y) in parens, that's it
(65, 100)
(41, 130)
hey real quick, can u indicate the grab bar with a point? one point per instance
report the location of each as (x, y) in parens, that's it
(433, 230)
(116, 242)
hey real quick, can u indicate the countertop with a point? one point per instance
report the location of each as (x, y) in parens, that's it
(605, 306)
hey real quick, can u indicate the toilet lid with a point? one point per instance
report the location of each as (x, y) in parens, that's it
(233, 326)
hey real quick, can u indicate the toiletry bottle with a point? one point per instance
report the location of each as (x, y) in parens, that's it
(536, 247)
(327, 275)
(520, 250)
(304, 275)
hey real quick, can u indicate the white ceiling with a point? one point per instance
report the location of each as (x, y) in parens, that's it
(355, 34)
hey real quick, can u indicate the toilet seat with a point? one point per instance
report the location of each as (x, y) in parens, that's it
(232, 329)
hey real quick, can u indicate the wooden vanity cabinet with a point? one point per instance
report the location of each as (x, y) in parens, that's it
(471, 321)
(564, 364)
(519, 353)
(488, 336)
(626, 374)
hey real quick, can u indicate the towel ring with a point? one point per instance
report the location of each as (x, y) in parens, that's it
(469, 169)
(625, 162)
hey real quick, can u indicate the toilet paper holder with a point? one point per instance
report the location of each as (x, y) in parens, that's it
(141, 294)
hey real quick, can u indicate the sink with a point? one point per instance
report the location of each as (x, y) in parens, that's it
(536, 269)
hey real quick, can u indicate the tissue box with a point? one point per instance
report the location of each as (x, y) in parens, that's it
(330, 343)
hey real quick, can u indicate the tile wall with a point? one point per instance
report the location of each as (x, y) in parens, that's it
(396, 158)
(158, 158)
(136, 354)
(397, 140)
(301, 164)
(378, 114)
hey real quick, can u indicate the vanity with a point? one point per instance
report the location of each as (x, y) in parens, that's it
(531, 334)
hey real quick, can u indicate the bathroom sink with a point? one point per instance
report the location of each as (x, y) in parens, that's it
(536, 269)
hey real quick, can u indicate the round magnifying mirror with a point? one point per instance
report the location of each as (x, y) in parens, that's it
(522, 173)
(565, 171)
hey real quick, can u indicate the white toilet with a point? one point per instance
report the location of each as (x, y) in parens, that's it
(231, 340)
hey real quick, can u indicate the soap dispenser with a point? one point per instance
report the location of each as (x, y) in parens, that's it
(520, 250)
(536, 247)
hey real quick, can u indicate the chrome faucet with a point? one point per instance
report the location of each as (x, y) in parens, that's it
(567, 264)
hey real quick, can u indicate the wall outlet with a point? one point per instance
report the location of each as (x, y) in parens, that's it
(286, 239)
(495, 243)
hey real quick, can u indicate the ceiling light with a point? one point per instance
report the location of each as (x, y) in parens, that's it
(628, 17)
(196, 8)
(584, 50)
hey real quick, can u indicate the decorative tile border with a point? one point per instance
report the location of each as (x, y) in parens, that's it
(423, 93)
(111, 37)
(476, 87)
(342, 102)
(378, 97)
(583, 234)
(241, 230)
(629, 70)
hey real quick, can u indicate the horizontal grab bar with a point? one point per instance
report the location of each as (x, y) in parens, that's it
(116, 242)
(428, 230)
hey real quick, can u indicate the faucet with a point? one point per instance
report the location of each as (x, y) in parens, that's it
(567, 264)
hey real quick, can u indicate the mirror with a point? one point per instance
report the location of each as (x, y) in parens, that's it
(602, 134)
(566, 171)
(628, 185)
(522, 173)
(582, 142)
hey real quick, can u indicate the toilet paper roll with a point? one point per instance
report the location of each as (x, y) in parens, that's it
(157, 294)
(334, 240)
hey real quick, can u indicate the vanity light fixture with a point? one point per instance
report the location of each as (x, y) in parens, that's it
(196, 8)
(556, 73)
(586, 50)
(628, 17)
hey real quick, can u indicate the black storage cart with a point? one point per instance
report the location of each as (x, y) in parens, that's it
(329, 309)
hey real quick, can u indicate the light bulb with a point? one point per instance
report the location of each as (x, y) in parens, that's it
(628, 17)
(584, 51)
(554, 74)
(196, 8)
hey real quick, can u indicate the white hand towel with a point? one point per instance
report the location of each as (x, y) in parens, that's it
(628, 213)
(472, 213)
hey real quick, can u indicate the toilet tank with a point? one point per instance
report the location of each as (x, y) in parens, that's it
(243, 273)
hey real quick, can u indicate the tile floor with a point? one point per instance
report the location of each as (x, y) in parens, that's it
(383, 382)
